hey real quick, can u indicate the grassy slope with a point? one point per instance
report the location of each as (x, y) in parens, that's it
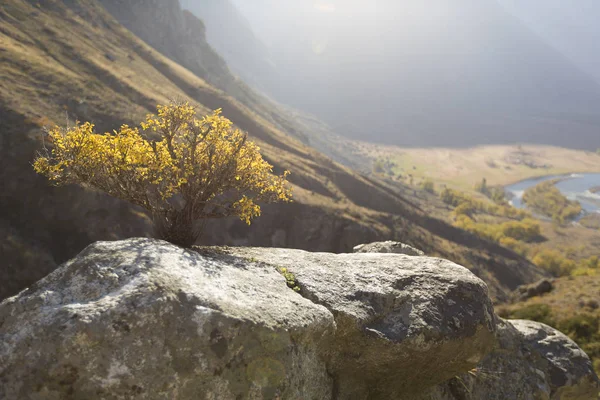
(59, 57)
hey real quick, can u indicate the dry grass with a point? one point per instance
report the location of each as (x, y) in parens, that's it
(500, 165)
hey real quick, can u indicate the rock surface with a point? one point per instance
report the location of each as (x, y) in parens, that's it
(538, 288)
(532, 361)
(388, 247)
(145, 319)
(403, 323)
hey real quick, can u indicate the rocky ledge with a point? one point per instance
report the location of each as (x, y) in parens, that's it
(144, 319)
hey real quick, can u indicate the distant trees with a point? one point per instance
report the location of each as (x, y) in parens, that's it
(452, 197)
(554, 262)
(482, 187)
(385, 167)
(428, 186)
(547, 199)
(457, 199)
(179, 168)
(480, 216)
(495, 193)
(378, 167)
(527, 230)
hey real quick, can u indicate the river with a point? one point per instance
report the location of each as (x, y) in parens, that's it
(578, 187)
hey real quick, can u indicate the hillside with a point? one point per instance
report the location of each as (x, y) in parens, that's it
(570, 28)
(64, 59)
(446, 74)
(245, 53)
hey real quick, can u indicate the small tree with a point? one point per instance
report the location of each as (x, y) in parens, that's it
(482, 187)
(179, 168)
(428, 186)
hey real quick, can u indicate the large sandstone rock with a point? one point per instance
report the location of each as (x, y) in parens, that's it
(145, 319)
(388, 247)
(531, 362)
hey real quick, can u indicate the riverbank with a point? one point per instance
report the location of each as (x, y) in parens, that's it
(574, 186)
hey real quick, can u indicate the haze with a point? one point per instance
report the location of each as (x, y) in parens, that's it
(414, 73)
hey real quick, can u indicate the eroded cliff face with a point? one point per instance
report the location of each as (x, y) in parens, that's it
(142, 318)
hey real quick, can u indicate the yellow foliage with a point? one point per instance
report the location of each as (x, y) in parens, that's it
(472, 205)
(176, 166)
(513, 244)
(547, 199)
(554, 262)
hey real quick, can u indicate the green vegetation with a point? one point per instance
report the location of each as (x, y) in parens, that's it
(384, 167)
(290, 278)
(554, 262)
(496, 194)
(527, 230)
(533, 312)
(469, 203)
(378, 167)
(482, 186)
(559, 264)
(547, 199)
(488, 220)
(428, 186)
(517, 230)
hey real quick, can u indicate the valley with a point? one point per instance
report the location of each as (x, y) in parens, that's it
(462, 168)
(416, 150)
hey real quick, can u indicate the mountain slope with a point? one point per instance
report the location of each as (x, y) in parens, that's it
(246, 55)
(63, 57)
(445, 73)
(572, 28)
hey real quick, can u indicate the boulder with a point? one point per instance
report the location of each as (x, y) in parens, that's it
(403, 323)
(144, 319)
(538, 288)
(532, 361)
(388, 247)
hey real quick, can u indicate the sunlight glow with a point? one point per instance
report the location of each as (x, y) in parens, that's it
(324, 7)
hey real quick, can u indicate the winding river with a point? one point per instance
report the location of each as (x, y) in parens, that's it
(584, 188)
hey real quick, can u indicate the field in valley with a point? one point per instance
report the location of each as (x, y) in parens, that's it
(462, 168)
